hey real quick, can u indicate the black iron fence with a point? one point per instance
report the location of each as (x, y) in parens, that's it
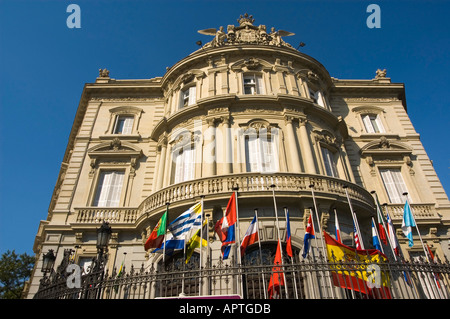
(308, 279)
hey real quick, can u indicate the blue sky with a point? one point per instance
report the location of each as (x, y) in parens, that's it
(44, 65)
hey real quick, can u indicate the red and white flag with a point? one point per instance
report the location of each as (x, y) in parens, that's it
(251, 236)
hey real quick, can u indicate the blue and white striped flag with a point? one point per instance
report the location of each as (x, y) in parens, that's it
(182, 229)
(187, 223)
(408, 223)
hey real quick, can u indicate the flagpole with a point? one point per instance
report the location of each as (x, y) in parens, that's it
(165, 231)
(378, 235)
(279, 238)
(318, 220)
(417, 227)
(238, 240)
(260, 253)
(321, 235)
(286, 213)
(201, 246)
(389, 237)
(355, 220)
(379, 211)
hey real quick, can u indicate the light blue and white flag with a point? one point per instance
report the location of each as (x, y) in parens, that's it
(181, 230)
(375, 239)
(186, 223)
(408, 223)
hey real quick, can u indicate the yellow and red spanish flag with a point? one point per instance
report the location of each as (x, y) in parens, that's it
(357, 269)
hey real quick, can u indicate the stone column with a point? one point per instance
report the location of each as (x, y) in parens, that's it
(209, 149)
(305, 145)
(161, 164)
(292, 144)
(155, 172)
(228, 156)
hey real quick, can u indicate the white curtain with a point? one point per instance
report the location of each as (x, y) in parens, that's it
(184, 165)
(261, 154)
(124, 125)
(109, 189)
(329, 162)
(394, 184)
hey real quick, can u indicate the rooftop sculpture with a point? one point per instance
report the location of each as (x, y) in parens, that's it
(246, 33)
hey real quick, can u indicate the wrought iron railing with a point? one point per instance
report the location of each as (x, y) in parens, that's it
(308, 279)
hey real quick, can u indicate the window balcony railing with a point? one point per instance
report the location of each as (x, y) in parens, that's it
(111, 215)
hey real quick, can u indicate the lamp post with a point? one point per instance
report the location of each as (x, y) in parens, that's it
(48, 260)
(103, 237)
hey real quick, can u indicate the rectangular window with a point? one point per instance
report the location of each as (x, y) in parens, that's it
(184, 165)
(109, 189)
(394, 184)
(188, 96)
(261, 154)
(329, 162)
(372, 123)
(253, 84)
(124, 124)
(317, 97)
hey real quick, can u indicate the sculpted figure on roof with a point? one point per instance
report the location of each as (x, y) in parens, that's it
(246, 33)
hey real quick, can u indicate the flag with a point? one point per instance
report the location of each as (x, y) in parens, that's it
(277, 278)
(194, 242)
(375, 240)
(251, 236)
(408, 223)
(288, 235)
(170, 245)
(337, 228)
(348, 268)
(226, 227)
(357, 243)
(183, 226)
(156, 238)
(309, 234)
(391, 234)
(381, 230)
(436, 275)
(119, 274)
(187, 223)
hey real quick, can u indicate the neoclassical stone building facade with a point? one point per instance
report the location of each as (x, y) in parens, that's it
(245, 110)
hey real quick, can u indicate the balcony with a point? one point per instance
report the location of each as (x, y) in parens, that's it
(250, 185)
(254, 184)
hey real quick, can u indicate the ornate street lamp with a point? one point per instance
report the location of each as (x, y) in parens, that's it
(48, 260)
(103, 237)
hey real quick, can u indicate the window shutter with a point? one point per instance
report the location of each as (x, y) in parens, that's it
(394, 184)
(367, 123)
(109, 189)
(320, 99)
(379, 124)
(128, 125)
(260, 84)
(328, 160)
(192, 95)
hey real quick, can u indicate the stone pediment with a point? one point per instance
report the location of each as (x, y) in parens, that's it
(116, 148)
(383, 146)
(251, 64)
